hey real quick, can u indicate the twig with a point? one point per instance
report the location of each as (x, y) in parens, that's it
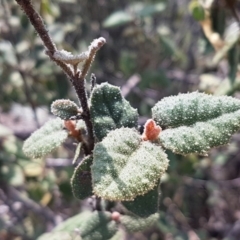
(76, 77)
(79, 86)
(94, 47)
(37, 23)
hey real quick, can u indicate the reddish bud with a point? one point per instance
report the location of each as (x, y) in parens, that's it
(151, 130)
(116, 216)
(70, 125)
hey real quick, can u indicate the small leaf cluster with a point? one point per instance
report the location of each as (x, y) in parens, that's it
(125, 165)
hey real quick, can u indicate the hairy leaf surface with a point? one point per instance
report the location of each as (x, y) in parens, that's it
(64, 108)
(50, 136)
(197, 122)
(81, 180)
(124, 166)
(109, 110)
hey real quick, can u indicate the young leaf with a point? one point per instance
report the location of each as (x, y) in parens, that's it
(45, 139)
(135, 224)
(145, 205)
(64, 108)
(124, 166)
(88, 225)
(81, 180)
(109, 110)
(198, 121)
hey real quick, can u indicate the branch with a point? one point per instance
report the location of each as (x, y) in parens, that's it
(94, 47)
(37, 23)
(62, 58)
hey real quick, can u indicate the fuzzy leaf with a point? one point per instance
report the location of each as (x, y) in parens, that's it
(64, 108)
(198, 121)
(87, 225)
(145, 205)
(81, 180)
(45, 139)
(135, 224)
(109, 110)
(124, 166)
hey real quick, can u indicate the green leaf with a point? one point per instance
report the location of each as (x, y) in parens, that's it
(145, 205)
(64, 108)
(81, 181)
(118, 18)
(45, 139)
(197, 10)
(197, 121)
(135, 224)
(88, 225)
(124, 166)
(109, 110)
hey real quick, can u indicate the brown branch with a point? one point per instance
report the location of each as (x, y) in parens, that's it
(79, 86)
(76, 77)
(37, 23)
(39, 26)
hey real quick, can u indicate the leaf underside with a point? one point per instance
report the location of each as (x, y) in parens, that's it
(196, 122)
(50, 136)
(81, 181)
(124, 166)
(109, 110)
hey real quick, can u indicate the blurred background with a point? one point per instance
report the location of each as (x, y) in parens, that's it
(154, 49)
